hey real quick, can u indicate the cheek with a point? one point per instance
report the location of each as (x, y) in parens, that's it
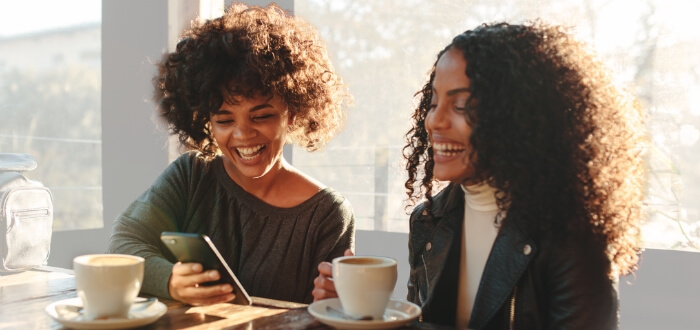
(427, 125)
(465, 130)
(428, 120)
(217, 133)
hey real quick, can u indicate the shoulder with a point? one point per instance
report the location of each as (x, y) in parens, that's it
(335, 202)
(188, 170)
(329, 212)
(192, 162)
(298, 188)
(563, 260)
(446, 211)
(193, 159)
(444, 201)
(329, 206)
(303, 181)
(576, 250)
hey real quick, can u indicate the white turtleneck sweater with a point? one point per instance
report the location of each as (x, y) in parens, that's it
(477, 239)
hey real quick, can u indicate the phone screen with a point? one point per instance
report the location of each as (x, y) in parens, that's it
(188, 247)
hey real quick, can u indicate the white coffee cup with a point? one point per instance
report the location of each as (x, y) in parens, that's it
(107, 283)
(364, 284)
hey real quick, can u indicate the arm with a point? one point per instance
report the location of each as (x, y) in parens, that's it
(164, 207)
(137, 230)
(339, 240)
(336, 234)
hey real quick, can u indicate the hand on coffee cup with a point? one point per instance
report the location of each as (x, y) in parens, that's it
(186, 285)
(323, 283)
(107, 283)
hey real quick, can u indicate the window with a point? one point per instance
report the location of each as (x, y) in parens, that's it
(50, 89)
(383, 49)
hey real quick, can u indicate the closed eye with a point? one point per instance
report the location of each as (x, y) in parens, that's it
(263, 117)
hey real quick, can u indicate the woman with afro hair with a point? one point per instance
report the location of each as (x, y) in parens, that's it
(235, 91)
(542, 156)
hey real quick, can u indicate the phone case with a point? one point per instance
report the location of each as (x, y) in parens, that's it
(188, 247)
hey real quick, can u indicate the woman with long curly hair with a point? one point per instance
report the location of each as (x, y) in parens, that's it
(543, 156)
(235, 91)
(542, 211)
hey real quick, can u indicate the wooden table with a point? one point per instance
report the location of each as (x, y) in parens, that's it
(23, 297)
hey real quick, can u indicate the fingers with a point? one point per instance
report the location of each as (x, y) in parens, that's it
(325, 269)
(324, 283)
(191, 274)
(320, 294)
(188, 284)
(207, 295)
(324, 288)
(187, 268)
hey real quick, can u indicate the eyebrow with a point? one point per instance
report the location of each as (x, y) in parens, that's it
(455, 91)
(459, 90)
(253, 109)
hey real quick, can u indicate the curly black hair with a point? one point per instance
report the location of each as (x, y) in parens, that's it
(250, 51)
(560, 143)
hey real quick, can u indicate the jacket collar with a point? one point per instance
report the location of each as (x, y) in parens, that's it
(448, 201)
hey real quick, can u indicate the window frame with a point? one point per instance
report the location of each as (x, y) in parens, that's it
(134, 150)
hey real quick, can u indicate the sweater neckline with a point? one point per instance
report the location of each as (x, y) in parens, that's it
(225, 180)
(480, 197)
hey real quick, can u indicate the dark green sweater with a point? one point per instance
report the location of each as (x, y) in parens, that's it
(273, 251)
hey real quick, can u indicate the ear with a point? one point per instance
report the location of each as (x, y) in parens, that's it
(290, 120)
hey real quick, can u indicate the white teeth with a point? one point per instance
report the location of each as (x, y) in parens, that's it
(249, 153)
(448, 154)
(447, 149)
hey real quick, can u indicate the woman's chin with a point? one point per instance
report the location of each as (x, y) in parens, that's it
(451, 174)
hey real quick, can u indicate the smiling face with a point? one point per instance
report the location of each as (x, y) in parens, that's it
(446, 122)
(251, 134)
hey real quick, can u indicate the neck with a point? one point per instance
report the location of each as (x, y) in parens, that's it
(263, 186)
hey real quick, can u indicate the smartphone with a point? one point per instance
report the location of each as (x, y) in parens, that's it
(188, 247)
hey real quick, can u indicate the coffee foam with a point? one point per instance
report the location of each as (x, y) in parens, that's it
(364, 261)
(110, 261)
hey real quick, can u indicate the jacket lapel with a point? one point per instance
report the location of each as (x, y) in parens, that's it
(507, 262)
(448, 222)
(449, 228)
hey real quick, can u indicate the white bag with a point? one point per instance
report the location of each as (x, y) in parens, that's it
(27, 215)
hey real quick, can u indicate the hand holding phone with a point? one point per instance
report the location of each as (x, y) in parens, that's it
(187, 248)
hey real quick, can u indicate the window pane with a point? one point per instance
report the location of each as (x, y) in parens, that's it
(50, 85)
(383, 49)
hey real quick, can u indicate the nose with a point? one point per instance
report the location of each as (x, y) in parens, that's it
(438, 118)
(243, 131)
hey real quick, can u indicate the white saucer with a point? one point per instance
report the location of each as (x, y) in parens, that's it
(137, 316)
(398, 313)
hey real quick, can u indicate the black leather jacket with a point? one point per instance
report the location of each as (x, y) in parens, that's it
(526, 284)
